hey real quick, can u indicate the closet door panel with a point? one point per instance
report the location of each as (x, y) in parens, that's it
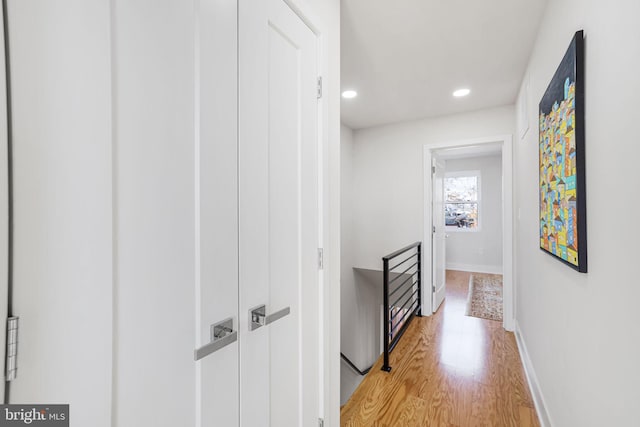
(217, 214)
(278, 199)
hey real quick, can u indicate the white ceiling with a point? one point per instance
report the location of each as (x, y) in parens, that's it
(406, 57)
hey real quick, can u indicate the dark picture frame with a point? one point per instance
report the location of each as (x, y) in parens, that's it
(561, 161)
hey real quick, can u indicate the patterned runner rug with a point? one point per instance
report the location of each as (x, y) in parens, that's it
(485, 296)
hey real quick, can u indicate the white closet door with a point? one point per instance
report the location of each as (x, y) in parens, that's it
(216, 183)
(279, 361)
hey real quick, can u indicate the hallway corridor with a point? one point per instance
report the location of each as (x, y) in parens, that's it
(447, 370)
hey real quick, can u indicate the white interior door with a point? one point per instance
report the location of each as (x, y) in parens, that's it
(216, 183)
(278, 206)
(439, 235)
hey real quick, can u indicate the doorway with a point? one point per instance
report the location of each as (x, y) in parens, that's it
(466, 218)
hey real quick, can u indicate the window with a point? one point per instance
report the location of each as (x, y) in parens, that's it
(462, 200)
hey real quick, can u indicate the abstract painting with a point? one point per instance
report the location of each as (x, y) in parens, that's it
(563, 230)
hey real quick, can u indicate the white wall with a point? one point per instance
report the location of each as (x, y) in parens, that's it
(481, 250)
(581, 329)
(346, 226)
(359, 301)
(61, 101)
(388, 177)
(348, 298)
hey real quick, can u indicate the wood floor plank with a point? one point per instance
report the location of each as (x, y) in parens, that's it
(447, 370)
(528, 417)
(440, 398)
(412, 412)
(485, 407)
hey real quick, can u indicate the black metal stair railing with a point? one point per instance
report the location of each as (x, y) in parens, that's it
(354, 367)
(402, 295)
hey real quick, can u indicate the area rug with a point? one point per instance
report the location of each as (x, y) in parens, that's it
(485, 296)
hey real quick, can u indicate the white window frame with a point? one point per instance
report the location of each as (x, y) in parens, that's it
(456, 174)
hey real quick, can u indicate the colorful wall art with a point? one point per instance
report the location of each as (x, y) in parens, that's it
(563, 231)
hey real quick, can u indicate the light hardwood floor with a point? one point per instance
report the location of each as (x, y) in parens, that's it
(447, 370)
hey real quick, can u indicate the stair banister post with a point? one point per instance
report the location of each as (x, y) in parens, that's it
(385, 297)
(419, 281)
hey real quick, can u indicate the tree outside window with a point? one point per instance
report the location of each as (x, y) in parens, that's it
(462, 200)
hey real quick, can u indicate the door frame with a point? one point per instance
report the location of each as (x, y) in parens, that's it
(506, 142)
(435, 161)
(329, 220)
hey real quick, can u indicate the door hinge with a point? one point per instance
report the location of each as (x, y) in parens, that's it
(433, 170)
(319, 87)
(12, 349)
(434, 228)
(320, 422)
(433, 288)
(320, 259)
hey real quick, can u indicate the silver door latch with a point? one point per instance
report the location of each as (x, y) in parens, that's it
(258, 317)
(222, 334)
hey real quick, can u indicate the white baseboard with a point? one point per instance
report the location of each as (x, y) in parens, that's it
(532, 379)
(490, 269)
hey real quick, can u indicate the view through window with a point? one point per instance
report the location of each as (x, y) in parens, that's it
(462, 198)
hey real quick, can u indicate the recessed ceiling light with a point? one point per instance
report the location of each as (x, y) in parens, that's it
(348, 94)
(461, 92)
